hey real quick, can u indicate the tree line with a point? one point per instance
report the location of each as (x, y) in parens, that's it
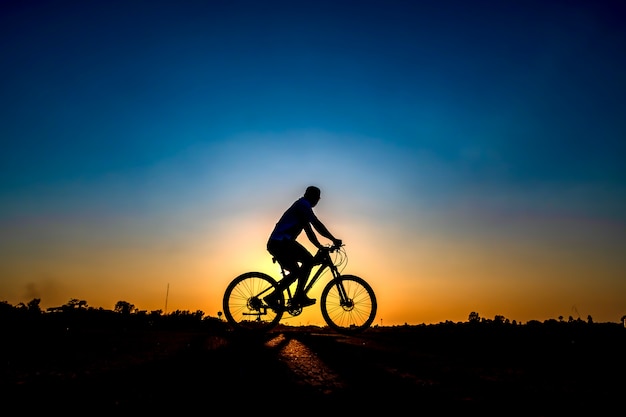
(79, 313)
(125, 308)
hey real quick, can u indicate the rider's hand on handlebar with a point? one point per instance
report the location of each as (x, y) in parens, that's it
(337, 243)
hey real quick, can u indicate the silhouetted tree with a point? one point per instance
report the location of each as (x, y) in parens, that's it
(474, 317)
(33, 306)
(124, 307)
(5, 306)
(75, 303)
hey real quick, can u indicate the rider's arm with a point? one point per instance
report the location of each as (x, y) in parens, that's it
(312, 236)
(310, 219)
(319, 226)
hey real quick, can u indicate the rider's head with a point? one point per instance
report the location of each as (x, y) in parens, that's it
(312, 194)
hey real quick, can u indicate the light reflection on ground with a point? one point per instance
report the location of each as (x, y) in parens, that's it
(305, 364)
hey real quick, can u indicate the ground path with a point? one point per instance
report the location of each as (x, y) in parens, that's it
(394, 370)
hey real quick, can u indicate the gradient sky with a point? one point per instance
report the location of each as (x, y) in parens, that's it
(471, 154)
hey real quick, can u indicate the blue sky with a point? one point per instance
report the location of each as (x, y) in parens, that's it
(161, 133)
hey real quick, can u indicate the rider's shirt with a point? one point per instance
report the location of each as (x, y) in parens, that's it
(293, 220)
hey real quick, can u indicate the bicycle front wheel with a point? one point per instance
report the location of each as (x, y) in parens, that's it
(348, 304)
(243, 306)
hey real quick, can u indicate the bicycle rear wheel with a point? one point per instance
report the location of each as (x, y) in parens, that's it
(348, 304)
(243, 306)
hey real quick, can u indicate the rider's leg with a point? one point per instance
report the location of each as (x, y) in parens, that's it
(283, 252)
(289, 253)
(285, 282)
(303, 277)
(306, 264)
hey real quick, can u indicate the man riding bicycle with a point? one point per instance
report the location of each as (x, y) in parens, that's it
(292, 255)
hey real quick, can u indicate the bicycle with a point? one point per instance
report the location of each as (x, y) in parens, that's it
(348, 303)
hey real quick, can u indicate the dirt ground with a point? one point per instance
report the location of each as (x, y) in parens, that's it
(423, 370)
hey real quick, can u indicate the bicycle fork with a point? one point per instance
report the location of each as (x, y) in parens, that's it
(344, 300)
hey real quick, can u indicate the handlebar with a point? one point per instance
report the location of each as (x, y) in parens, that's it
(323, 255)
(331, 248)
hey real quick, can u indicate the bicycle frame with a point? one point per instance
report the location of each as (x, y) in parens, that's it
(325, 263)
(347, 302)
(323, 259)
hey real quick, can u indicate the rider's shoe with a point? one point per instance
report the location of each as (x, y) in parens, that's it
(304, 301)
(273, 301)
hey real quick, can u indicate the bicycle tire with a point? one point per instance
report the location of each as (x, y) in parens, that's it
(243, 307)
(355, 317)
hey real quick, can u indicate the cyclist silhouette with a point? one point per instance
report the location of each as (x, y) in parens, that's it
(290, 254)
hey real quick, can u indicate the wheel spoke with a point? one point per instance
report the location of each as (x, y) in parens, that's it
(242, 304)
(354, 313)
